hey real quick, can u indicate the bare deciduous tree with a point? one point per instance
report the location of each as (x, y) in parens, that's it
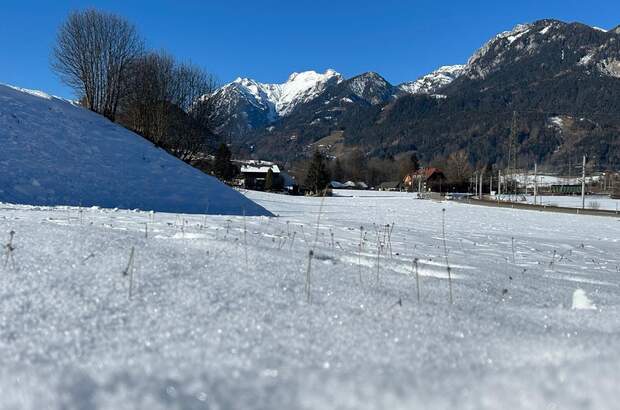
(193, 88)
(458, 169)
(149, 94)
(167, 103)
(92, 55)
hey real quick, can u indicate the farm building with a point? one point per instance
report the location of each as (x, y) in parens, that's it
(426, 179)
(254, 174)
(336, 185)
(391, 186)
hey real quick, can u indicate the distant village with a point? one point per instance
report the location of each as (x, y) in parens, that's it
(262, 175)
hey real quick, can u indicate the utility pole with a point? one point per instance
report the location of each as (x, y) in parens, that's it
(499, 183)
(583, 184)
(491, 184)
(526, 178)
(476, 183)
(535, 190)
(512, 153)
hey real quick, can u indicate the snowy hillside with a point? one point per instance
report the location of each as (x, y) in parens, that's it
(54, 153)
(219, 316)
(433, 82)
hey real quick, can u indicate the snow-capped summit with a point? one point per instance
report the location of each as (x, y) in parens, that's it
(502, 39)
(252, 92)
(246, 104)
(431, 83)
(490, 54)
(300, 87)
(313, 76)
(282, 98)
(567, 44)
(371, 87)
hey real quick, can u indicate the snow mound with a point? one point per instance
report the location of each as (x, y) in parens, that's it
(581, 301)
(55, 153)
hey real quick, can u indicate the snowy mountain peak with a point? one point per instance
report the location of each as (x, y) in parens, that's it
(280, 99)
(246, 82)
(371, 87)
(573, 43)
(451, 70)
(431, 83)
(300, 87)
(515, 33)
(371, 74)
(501, 40)
(312, 76)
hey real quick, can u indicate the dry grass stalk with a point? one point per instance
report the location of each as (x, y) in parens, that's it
(9, 249)
(445, 251)
(308, 285)
(245, 239)
(417, 278)
(129, 270)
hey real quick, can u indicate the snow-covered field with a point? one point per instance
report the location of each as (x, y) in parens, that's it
(592, 201)
(219, 317)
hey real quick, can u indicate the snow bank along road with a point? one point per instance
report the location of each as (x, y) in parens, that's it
(219, 316)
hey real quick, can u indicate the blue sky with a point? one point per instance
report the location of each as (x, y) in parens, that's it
(269, 39)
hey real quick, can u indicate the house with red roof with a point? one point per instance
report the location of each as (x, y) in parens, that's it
(429, 179)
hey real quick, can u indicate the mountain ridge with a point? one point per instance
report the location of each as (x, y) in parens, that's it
(245, 105)
(548, 66)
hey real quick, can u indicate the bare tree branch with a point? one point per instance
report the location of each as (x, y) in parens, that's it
(92, 54)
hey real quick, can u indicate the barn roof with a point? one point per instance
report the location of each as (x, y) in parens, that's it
(427, 172)
(259, 169)
(390, 185)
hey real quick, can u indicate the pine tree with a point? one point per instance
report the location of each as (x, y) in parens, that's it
(269, 180)
(415, 163)
(222, 167)
(318, 176)
(338, 172)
